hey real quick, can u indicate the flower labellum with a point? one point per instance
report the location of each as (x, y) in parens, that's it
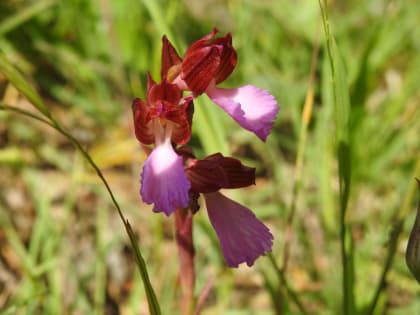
(252, 108)
(163, 180)
(242, 236)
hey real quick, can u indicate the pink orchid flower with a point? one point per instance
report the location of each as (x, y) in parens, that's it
(243, 238)
(208, 62)
(164, 118)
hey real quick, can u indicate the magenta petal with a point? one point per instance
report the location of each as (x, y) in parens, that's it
(163, 180)
(242, 236)
(254, 109)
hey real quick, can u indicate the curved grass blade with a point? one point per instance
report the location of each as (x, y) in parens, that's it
(25, 14)
(28, 91)
(20, 83)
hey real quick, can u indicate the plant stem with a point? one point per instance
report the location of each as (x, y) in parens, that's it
(186, 253)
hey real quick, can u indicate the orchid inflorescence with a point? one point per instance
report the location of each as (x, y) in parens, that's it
(172, 178)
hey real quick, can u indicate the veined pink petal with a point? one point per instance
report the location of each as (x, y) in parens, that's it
(242, 236)
(254, 109)
(163, 180)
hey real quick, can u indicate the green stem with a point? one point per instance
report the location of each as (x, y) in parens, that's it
(186, 254)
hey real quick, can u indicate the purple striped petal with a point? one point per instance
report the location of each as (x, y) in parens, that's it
(252, 108)
(163, 180)
(242, 236)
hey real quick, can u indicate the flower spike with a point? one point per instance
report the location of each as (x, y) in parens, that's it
(172, 178)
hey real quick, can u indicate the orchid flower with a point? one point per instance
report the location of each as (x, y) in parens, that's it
(208, 62)
(243, 238)
(172, 178)
(164, 118)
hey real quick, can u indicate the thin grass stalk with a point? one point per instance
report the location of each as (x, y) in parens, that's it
(343, 157)
(151, 296)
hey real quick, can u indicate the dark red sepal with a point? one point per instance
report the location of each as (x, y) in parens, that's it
(228, 58)
(208, 59)
(181, 133)
(200, 63)
(149, 83)
(216, 171)
(163, 92)
(199, 67)
(142, 123)
(170, 59)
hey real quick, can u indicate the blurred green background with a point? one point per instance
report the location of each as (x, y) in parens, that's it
(63, 249)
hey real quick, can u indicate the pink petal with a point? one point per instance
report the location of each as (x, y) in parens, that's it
(242, 236)
(163, 180)
(254, 109)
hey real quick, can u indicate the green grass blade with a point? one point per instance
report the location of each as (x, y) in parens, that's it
(22, 16)
(341, 100)
(158, 19)
(208, 128)
(20, 83)
(25, 88)
(150, 293)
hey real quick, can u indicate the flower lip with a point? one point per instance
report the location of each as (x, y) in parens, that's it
(163, 180)
(253, 108)
(243, 238)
